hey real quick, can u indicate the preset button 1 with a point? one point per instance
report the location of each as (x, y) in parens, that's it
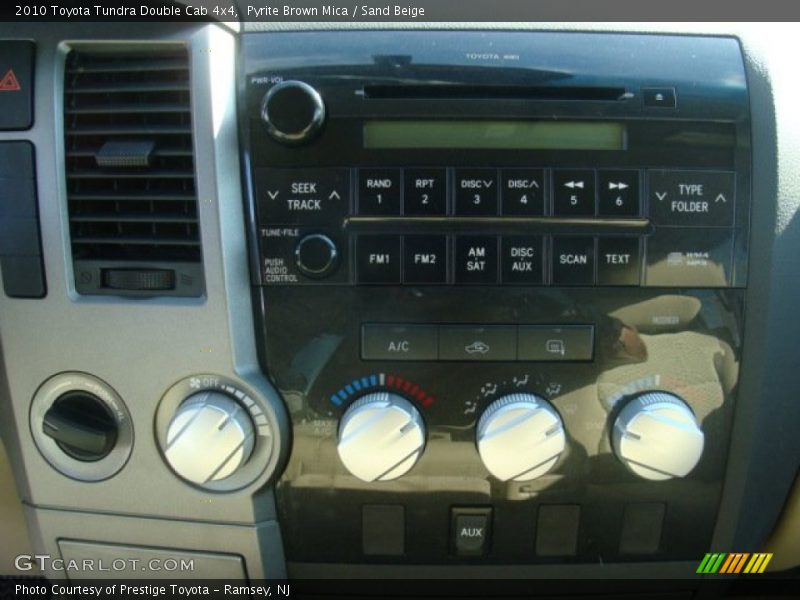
(379, 191)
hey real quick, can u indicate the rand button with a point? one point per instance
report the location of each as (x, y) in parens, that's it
(399, 342)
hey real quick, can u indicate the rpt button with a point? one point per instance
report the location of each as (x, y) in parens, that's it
(699, 198)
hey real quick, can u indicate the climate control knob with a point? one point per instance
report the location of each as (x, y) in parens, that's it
(209, 438)
(520, 437)
(657, 437)
(381, 436)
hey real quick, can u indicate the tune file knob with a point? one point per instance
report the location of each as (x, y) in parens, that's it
(292, 111)
(520, 437)
(657, 436)
(381, 436)
(209, 438)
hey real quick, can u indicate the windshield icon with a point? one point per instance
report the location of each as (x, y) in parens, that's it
(477, 347)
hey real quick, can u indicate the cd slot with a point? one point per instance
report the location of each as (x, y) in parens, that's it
(494, 92)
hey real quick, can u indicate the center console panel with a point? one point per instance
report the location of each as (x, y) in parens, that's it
(500, 285)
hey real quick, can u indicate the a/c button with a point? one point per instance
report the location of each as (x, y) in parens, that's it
(399, 342)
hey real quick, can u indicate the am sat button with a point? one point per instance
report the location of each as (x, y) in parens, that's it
(399, 342)
(476, 259)
(692, 198)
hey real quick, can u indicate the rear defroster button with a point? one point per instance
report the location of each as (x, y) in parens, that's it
(316, 255)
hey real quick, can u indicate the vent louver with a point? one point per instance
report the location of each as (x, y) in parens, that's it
(130, 172)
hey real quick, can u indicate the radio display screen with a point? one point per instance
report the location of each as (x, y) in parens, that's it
(509, 135)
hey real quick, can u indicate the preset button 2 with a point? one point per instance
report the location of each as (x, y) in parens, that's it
(425, 192)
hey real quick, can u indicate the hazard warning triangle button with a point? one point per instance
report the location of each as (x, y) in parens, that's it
(16, 84)
(9, 83)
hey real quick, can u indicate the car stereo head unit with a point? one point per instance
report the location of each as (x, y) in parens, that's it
(500, 278)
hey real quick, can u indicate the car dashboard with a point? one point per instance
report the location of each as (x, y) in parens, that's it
(451, 301)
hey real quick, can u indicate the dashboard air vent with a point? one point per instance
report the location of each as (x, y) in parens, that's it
(130, 172)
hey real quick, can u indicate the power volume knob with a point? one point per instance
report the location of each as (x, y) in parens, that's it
(657, 437)
(381, 436)
(520, 437)
(293, 112)
(209, 438)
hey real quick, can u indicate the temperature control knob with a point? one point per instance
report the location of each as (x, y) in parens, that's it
(292, 111)
(209, 438)
(657, 437)
(381, 436)
(520, 437)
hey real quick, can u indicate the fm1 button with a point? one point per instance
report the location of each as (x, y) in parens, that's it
(378, 259)
(471, 528)
(399, 342)
(316, 255)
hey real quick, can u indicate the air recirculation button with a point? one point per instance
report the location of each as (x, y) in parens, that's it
(82, 426)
